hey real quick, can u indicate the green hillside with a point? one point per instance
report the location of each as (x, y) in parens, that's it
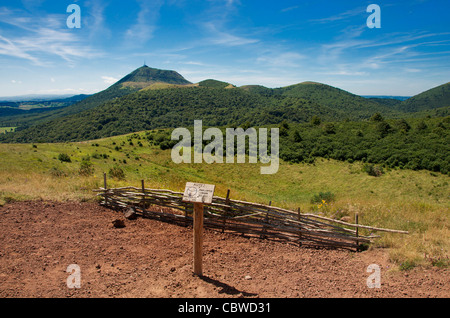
(150, 98)
(133, 82)
(433, 98)
(258, 89)
(149, 75)
(416, 201)
(416, 144)
(335, 98)
(212, 83)
(174, 107)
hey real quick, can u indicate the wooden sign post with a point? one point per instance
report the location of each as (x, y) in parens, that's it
(199, 194)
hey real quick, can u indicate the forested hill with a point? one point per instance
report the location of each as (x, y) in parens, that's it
(147, 75)
(433, 98)
(175, 107)
(355, 106)
(131, 83)
(150, 98)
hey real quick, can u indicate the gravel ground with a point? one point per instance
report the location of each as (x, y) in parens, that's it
(153, 259)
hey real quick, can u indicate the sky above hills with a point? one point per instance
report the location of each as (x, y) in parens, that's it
(270, 43)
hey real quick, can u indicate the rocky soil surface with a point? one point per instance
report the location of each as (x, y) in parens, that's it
(149, 258)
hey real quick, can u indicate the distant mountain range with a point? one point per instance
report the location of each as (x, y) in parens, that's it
(401, 98)
(32, 104)
(150, 98)
(51, 98)
(37, 97)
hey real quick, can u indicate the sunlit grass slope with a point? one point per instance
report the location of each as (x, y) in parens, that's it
(416, 201)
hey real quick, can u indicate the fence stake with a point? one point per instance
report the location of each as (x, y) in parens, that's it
(357, 231)
(105, 187)
(266, 220)
(143, 197)
(227, 202)
(198, 238)
(299, 232)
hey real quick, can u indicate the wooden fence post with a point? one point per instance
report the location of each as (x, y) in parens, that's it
(143, 197)
(227, 202)
(299, 217)
(357, 231)
(105, 187)
(266, 221)
(198, 239)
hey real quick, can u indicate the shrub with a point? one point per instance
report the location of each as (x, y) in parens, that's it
(403, 125)
(64, 157)
(372, 170)
(283, 132)
(297, 137)
(315, 120)
(376, 117)
(86, 168)
(407, 265)
(383, 128)
(421, 125)
(329, 128)
(284, 124)
(55, 172)
(117, 173)
(167, 144)
(323, 196)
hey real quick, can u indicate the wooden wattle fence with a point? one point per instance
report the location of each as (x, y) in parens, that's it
(252, 219)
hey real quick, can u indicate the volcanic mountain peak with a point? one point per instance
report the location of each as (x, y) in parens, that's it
(146, 75)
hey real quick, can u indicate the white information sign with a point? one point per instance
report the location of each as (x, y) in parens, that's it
(198, 192)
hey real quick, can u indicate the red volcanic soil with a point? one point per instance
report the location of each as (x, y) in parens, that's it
(150, 258)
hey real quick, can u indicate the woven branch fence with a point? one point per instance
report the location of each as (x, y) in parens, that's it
(253, 219)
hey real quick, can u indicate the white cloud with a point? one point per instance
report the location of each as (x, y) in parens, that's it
(289, 8)
(8, 47)
(285, 59)
(412, 70)
(94, 19)
(195, 63)
(109, 79)
(346, 73)
(39, 39)
(64, 91)
(145, 25)
(342, 16)
(218, 37)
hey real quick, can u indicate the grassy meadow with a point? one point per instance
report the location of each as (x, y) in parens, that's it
(7, 129)
(416, 201)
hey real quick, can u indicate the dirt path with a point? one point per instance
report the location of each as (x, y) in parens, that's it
(148, 258)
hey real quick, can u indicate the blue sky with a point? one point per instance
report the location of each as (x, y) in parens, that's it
(271, 43)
